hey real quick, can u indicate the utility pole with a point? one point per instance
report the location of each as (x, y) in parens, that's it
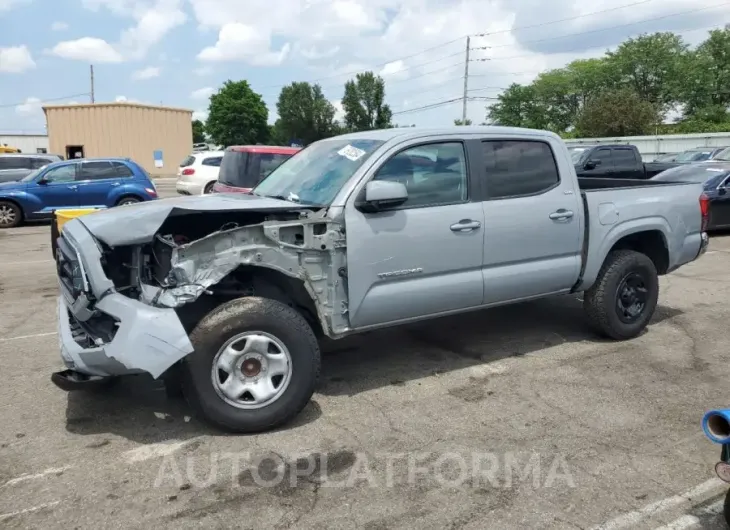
(91, 68)
(466, 81)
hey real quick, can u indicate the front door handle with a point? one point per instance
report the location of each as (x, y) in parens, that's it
(465, 225)
(115, 183)
(561, 215)
(72, 187)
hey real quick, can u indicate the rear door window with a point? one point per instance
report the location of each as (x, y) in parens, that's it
(624, 157)
(214, 161)
(14, 162)
(96, 171)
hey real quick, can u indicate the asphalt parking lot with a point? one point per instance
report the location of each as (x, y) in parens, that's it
(516, 417)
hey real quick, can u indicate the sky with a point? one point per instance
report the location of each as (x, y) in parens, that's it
(178, 52)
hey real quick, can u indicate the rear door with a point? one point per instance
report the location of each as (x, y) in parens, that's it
(423, 257)
(626, 163)
(59, 189)
(533, 219)
(96, 179)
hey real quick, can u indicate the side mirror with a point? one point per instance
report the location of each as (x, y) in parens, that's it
(380, 194)
(721, 191)
(592, 164)
(43, 181)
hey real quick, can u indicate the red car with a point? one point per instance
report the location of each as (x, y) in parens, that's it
(244, 166)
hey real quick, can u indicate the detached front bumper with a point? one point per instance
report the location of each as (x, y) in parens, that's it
(101, 332)
(147, 339)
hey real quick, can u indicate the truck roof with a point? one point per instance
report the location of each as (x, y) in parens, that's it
(407, 133)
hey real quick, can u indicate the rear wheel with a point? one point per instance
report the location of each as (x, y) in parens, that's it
(125, 201)
(10, 214)
(624, 297)
(255, 365)
(208, 188)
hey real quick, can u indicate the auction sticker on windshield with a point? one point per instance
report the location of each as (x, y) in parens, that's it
(351, 153)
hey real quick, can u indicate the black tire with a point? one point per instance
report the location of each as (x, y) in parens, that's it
(10, 214)
(128, 200)
(208, 188)
(229, 320)
(601, 302)
(726, 509)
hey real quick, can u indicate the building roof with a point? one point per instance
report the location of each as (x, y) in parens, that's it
(124, 104)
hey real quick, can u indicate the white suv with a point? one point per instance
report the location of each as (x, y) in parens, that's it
(198, 172)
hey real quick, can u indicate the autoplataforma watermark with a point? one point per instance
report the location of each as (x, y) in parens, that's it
(346, 469)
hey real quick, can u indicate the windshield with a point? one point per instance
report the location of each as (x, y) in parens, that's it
(698, 173)
(32, 175)
(315, 174)
(693, 156)
(576, 153)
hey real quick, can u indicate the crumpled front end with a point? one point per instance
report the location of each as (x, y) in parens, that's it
(127, 308)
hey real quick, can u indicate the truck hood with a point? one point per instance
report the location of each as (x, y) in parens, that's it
(138, 223)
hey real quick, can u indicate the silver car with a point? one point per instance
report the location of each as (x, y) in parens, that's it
(15, 166)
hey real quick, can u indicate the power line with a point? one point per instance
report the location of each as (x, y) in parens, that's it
(653, 19)
(443, 44)
(45, 100)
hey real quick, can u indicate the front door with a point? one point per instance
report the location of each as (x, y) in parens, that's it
(423, 257)
(600, 164)
(53, 189)
(533, 219)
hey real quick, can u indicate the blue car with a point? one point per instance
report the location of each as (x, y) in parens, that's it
(86, 183)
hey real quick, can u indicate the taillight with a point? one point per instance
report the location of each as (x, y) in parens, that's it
(705, 210)
(152, 192)
(188, 171)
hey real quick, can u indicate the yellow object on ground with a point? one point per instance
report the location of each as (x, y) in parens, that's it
(63, 216)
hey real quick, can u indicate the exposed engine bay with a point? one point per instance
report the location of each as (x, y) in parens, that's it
(199, 259)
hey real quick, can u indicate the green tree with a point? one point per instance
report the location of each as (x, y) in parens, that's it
(305, 114)
(198, 132)
(462, 122)
(237, 115)
(651, 66)
(705, 87)
(620, 112)
(364, 103)
(518, 106)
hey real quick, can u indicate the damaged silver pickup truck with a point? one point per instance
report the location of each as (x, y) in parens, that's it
(355, 233)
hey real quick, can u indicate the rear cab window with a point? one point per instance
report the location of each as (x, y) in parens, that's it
(519, 168)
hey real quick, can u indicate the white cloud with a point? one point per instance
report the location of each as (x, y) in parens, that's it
(89, 49)
(121, 99)
(31, 106)
(201, 115)
(202, 93)
(16, 59)
(146, 73)
(7, 5)
(59, 25)
(244, 42)
(394, 70)
(153, 21)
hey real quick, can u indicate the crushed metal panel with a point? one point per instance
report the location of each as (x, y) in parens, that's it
(311, 250)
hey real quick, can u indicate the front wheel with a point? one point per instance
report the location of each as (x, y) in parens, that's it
(255, 365)
(10, 215)
(624, 297)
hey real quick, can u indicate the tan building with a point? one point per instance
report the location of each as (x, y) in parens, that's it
(157, 138)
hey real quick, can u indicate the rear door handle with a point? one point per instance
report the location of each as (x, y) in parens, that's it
(115, 183)
(561, 215)
(465, 225)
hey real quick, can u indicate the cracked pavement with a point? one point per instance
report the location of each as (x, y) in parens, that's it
(508, 418)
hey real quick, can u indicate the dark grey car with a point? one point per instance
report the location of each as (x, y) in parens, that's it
(15, 166)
